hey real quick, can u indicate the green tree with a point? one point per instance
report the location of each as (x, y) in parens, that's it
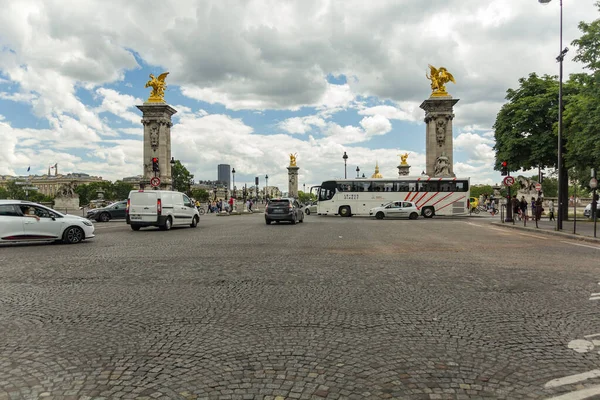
(182, 179)
(3, 193)
(120, 190)
(306, 197)
(200, 194)
(15, 191)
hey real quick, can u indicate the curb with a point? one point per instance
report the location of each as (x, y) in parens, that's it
(549, 232)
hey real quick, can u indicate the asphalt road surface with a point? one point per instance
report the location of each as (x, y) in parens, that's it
(335, 308)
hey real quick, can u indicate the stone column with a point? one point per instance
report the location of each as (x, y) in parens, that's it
(438, 137)
(293, 181)
(403, 170)
(156, 119)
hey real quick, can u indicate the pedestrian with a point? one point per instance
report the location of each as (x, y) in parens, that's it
(523, 204)
(231, 201)
(515, 206)
(538, 209)
(551, 210)
(533, 213)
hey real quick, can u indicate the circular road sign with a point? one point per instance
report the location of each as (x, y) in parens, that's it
(509, 181)
(155, 181)
(538, 187)
(593, 183)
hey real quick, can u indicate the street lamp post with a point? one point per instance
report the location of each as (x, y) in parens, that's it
(172, 162)
(266, 187)
(345, 157)
(233, 194)
(562, 173)
(357, 171)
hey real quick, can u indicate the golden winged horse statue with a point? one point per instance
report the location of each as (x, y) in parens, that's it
(439, 78)
(158, 85)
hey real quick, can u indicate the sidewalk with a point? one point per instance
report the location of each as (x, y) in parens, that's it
(584, 228)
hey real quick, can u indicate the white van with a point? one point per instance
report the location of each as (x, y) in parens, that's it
(162, 208)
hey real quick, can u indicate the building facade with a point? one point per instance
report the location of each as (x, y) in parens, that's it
(224, 174)
(48, 185)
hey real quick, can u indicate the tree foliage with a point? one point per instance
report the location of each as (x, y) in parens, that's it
(112, 191)
(182, 178)
(200, 194)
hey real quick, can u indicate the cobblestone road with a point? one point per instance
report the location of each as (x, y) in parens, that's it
(333, 308)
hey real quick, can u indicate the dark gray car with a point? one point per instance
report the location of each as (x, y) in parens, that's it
(285, 209)
(112, 211)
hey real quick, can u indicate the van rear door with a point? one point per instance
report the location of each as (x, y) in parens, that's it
(142, 207)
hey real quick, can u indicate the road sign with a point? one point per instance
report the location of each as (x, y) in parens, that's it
(155, 181)
(509, 181)
(593, 183)
(538, 187)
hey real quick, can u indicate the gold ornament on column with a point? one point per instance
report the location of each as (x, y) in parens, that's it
(293, 159)
(158, 85)
(439, 78)
(403, 158)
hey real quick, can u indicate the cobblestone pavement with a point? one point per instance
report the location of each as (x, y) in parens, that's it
(334, 308)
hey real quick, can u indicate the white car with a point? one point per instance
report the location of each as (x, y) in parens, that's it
(395, 209)
(310, 208)
(24, 221)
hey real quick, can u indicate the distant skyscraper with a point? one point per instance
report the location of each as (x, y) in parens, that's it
(224, 174)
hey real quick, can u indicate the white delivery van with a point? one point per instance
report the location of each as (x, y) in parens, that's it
(162, 208)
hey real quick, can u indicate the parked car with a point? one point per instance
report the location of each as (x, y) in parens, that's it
(284, 209)
(112, 211)
(310, 208)
(395, 209)
(24, 221)
(587, 212)
(161, 208)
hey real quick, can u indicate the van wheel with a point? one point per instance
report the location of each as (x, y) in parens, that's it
(345, 211)
(167, 225)
(135, 227)
(428, 212)
(413, 215)
(194, 222)
(379, 215)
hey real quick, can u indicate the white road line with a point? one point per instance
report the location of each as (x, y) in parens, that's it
(591, 336)
(595, 294)
(595, 298)
(579, 394)
(582, 245)
(567, 380)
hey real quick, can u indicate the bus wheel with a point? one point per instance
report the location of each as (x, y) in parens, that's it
(345, 211)
(428, 212)
(379, 215)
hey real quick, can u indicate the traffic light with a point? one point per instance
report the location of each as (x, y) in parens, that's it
(504, 168)
(155, 167)
(541, 177)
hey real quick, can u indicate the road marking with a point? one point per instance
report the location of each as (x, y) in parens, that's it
(591, 336)
(595, 294)
(579, 394)
(582, 245)
(595, 298)
(567, 380)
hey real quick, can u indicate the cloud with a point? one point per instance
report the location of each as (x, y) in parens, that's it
(302, 125)
(119, 104)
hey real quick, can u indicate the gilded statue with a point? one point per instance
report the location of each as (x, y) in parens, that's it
(158, 85)
(403, 158)
(293, 159)
(439, 78)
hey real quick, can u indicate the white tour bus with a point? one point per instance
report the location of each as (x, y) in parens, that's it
(432, 196)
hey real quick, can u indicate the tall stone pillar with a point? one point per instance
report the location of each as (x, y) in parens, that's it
(438, 139)
(156, 118)
(293, 181)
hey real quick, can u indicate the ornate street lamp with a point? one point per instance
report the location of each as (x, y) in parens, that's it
(266, 187)
(172, 162)
(233, 173)
(562, 173)
(357, 171)
(345, 157)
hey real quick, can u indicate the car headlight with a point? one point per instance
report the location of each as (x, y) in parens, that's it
(88, 223)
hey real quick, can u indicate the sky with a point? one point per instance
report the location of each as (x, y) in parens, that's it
(253, 81)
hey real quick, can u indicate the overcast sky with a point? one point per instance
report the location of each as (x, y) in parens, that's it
(256, 80)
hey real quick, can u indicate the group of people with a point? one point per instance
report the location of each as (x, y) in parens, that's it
(520, 208)
(223, 205)
(489, 202)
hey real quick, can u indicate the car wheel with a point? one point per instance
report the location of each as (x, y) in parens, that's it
(302, 219)
(268, 221)
(428, 212)
(345, 211)
(104, 217)
(294, 220)
(167, 225)
(73, 234)
(413, 215)
(194, 222)
(380, 215)
(135, 227)
(307, 211)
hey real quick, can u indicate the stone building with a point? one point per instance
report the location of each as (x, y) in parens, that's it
(47, 184)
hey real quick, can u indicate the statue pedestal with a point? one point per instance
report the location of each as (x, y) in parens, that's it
(438, 137)
(67, 204)
(403, 170)
(156, 118)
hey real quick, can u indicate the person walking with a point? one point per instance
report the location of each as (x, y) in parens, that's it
(551, 210)
(538, 209)
(515, 206)
(523, 205)
(231, 201)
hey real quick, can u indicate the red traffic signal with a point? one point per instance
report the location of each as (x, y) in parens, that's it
(155, 166)
(504, 164)
(155, 159)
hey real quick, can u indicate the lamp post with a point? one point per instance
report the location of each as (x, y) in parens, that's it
(357, 171)
(172, 162)
(233, 194)
(562, 173)
(345, 157)
(266, 187)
